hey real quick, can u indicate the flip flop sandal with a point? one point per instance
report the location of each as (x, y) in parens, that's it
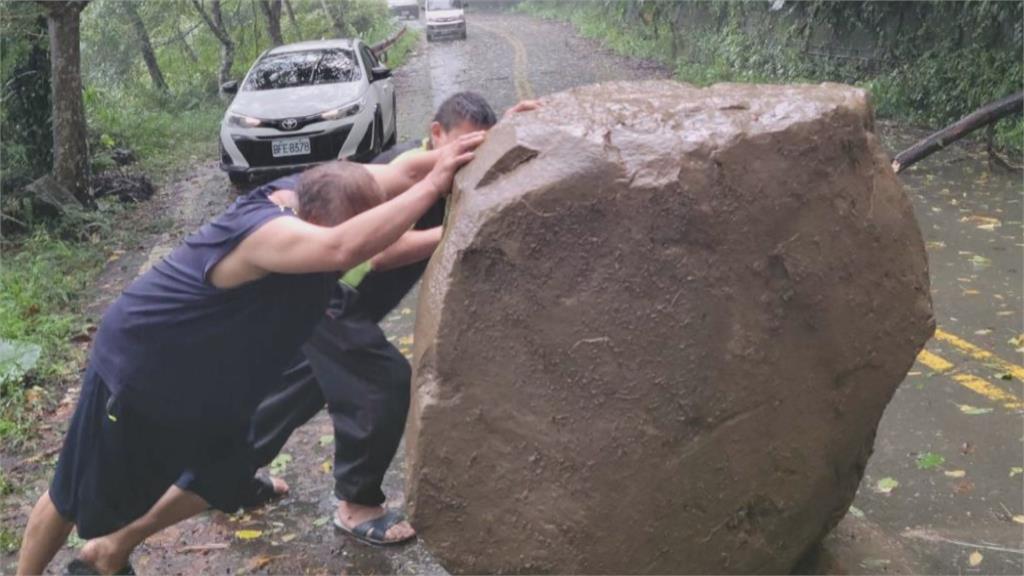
(79, 567)
(373, 531)
(262, 492)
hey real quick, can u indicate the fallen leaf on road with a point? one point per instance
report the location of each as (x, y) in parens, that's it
(973, 410)
(280, 464)
(326, 466)
(983, 222)
(1016, 471)
(1005, 376)
(972, 293)
(327, 439)
(248, 534)
(1019, 518)
(886, 485)
(288, 537)
(74, 541)
(980, 261)
(956, 473)
(258, 563)
(875, 564)
(406, 311)
(963, 487)
(975, 558)
(320, 521)
(983, 332)
(856, 512)
(203, 547)
(930, 460)
(406, 340)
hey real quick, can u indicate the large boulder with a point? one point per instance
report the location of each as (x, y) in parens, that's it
(661, 330)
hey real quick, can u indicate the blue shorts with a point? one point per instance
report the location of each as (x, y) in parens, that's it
(115, 465)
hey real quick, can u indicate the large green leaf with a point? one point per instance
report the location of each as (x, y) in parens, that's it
(17, 359)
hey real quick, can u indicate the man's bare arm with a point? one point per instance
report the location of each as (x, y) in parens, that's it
(413, 246)
(291, 246)
(403, 172)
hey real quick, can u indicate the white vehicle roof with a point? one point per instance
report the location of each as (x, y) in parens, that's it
(314, 45)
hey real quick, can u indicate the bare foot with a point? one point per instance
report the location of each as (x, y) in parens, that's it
(104, 555)
(281, 487)
(351, 515)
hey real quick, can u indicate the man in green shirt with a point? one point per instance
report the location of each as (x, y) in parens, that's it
(350, 365)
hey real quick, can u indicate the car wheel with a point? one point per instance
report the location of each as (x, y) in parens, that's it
(393, 139)
(378, 134)
(239, 179)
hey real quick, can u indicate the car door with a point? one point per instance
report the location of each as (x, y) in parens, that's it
(385, 90)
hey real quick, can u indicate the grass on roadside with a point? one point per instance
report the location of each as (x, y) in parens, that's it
(164, 131)
(42, 278)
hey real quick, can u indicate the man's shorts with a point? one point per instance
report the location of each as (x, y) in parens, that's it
(115, 465)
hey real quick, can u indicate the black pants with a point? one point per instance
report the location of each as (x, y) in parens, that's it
(363, 378)
(365, 381)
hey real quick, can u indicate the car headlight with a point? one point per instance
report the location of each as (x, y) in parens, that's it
(343, 112)
(243, 120)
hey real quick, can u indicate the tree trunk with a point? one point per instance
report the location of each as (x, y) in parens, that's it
(215, 21)
(272, 10)
(337, 19)
(145, 46)
(992, 112)
(182, 38)
(70, 148)
(291, 14)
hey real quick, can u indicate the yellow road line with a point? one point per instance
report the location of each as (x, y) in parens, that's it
(974, 383)
(934, 362)
(979, 354)
(520, 76)
(989, 391)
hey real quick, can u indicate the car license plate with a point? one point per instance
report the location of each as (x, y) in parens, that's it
(289, 147)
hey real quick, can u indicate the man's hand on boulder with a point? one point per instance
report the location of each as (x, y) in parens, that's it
(452, 157)
(522, 106)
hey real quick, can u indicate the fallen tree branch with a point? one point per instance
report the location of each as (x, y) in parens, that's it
(980, 118)
(383, 46)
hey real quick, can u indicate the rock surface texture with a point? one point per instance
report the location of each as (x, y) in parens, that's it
(661, 330)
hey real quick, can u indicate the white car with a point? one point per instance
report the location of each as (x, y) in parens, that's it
(405, 8)
(445, 18)
(306, 103)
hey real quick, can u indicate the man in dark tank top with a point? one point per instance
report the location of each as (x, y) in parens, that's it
(185, 354)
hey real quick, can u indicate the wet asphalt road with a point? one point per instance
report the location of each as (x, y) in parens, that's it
(951, 438)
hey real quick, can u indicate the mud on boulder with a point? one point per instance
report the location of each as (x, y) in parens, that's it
(661, 330)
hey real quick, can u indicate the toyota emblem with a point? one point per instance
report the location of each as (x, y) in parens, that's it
(289, 124)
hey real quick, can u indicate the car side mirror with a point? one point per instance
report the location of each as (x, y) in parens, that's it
(229, 87)
(381, 72)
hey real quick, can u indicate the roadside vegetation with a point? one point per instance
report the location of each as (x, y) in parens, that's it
(925, 63)
(150, 74)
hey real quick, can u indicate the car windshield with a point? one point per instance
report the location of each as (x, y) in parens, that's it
(444, 4)
(306, 68)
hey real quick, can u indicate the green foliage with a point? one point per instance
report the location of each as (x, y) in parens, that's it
(25, 95)
(924, 62)
(41, 280)
(44, 272)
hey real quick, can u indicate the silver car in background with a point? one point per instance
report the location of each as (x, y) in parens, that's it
(306, 103)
